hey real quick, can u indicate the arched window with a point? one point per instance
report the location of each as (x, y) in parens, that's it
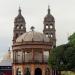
(47, 27)
(51, 35)
(17, 27)
(27, 71)
(38, 71)
(18, 72)
(51, 26)
(46, 35)
(47, 72)
(21, 27)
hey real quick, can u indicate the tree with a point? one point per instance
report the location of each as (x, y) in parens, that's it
(63, 57)
(71, 39)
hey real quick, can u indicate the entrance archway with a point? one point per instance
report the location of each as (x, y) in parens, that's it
(38, 71)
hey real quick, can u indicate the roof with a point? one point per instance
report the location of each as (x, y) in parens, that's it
(32, 36)
(19, 18)
(49, 16)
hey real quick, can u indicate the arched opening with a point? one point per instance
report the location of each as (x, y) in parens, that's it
(38, 71)
(47, 27)
(51, 35)
(21, 27)
(51, 26)
(18, 72)
(17, 27)
(27, 72)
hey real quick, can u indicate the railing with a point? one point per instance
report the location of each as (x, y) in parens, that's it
(30, 62)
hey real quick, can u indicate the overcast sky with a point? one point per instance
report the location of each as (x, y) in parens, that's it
(34, 12)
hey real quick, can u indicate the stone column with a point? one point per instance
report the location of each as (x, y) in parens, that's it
(17, 56)
(32, 55)
(32, 69)
(14, 70)
(42, 55)
(43, 69)
(50, 71)
(24, 56)
(53, 72)
(23, 69)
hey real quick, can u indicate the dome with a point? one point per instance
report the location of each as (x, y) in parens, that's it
(49, 17)
(32, 36)
(19, 18)
(6, 61)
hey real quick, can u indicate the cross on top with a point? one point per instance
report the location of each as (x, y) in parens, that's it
(32, 28)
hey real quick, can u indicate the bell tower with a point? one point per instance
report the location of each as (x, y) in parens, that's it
(19, 26)
(49, 27)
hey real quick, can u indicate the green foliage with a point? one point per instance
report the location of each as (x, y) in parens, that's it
(71, 39)
(63, 57)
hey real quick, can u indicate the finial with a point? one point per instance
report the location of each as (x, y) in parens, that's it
(48, 6)
(32, 28)
(19, 10)
(9, 49)
(48, 9)
(9, 53)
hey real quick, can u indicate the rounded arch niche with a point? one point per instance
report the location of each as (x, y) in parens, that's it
(27, 71)
(38, 71)
(19, 71)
